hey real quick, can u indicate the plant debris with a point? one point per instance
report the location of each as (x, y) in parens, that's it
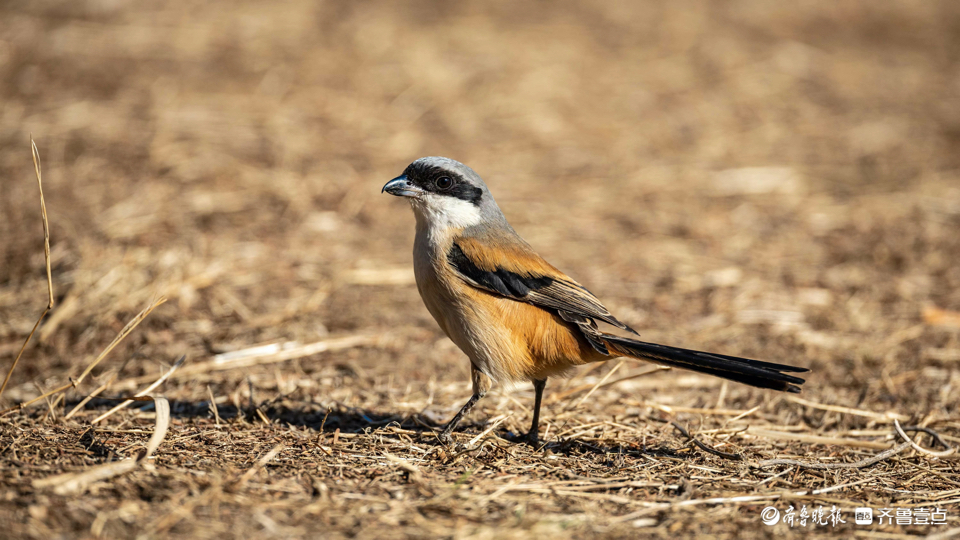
(774, 181)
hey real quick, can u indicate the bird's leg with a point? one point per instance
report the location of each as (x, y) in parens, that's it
(533, 436)
(452, 425)
(480, 386)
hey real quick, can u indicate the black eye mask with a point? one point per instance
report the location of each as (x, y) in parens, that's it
(429, 178)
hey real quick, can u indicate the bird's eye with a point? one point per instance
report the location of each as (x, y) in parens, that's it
(444, 182)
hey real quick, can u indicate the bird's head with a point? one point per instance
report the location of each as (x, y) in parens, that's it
(445, 193)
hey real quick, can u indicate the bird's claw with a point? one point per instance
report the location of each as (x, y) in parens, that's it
(445, 438)
(532, 439)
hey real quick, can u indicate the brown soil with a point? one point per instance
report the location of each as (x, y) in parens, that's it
(773, 180)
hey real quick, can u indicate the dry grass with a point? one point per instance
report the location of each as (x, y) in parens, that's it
(772, 180)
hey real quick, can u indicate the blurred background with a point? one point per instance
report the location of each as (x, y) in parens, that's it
(777, 180)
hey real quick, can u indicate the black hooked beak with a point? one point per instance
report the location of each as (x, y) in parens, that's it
(400, 187)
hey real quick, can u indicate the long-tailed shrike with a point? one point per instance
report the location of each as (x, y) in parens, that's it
(514, 315)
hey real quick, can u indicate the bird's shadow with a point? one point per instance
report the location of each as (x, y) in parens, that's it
(354, 420)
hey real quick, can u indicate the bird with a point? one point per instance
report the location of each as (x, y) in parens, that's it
(515, 316)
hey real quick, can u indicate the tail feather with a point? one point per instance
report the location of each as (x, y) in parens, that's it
(742, 370)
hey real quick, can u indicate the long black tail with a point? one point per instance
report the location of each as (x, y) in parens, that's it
(742, 370)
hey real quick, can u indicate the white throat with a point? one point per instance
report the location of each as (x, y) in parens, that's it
(438, 213)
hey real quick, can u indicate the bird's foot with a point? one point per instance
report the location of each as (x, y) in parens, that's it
(445, 438)
(530, 438)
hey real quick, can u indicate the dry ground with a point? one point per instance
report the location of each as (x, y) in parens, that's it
(779, 180)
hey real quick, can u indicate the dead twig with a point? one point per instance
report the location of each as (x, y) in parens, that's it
(74, 383)
(141, 393)
(73, 483)
(271, 354)
(46, 254)
(95, 393)
(700, 445)
(886, 454)
(949, 449)
(213, 406)
(493, 425)
(594, 389)
(815, 439)
(885, 416)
